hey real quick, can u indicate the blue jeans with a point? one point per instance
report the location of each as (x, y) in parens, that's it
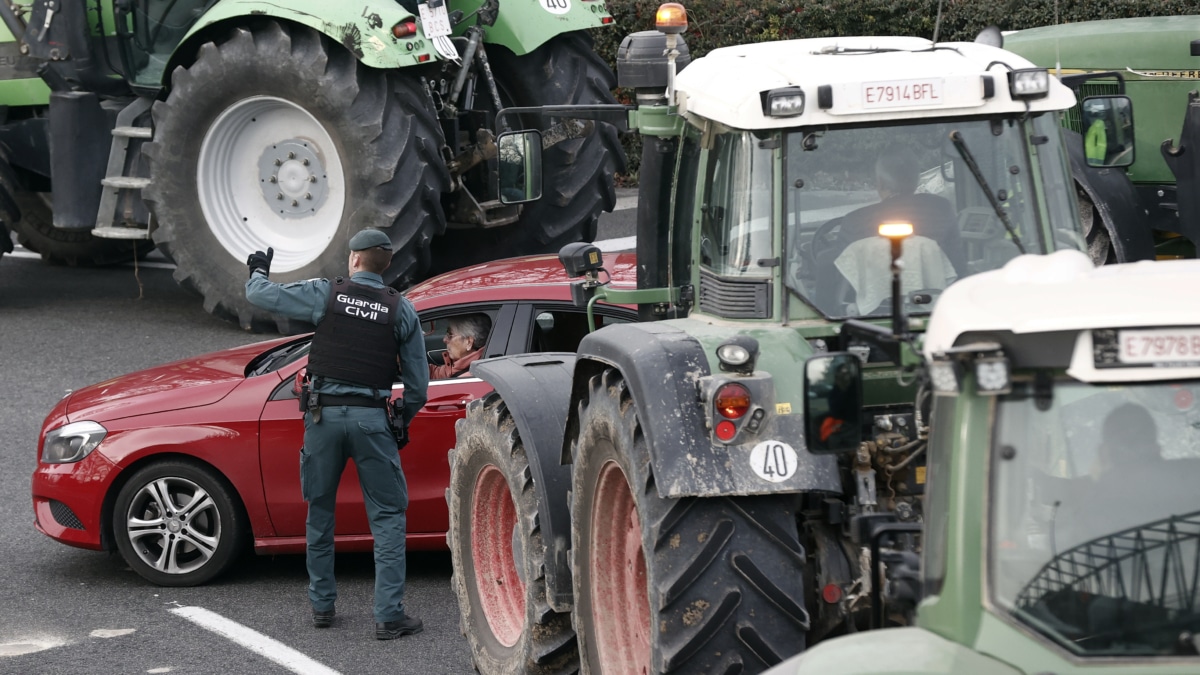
(361, 434)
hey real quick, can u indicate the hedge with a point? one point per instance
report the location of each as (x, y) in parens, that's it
(719, 23)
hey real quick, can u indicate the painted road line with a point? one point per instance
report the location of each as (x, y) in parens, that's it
(619, 244)
(254, 641)
(626, 203)
(21, 252)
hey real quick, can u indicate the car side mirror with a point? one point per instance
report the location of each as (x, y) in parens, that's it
(1107, 131)
(519, 155)
(833, 414)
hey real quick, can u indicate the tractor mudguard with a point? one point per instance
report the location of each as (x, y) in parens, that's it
(364, 28)
(662, 366)
(1116, 201)
(1184, 162)
(536, 388)
(524, 26)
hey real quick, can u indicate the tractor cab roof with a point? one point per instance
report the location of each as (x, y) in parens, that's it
(1063, 294)
(857, 79)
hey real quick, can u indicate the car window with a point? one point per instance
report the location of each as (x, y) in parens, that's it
(560, 330)
(435, 329)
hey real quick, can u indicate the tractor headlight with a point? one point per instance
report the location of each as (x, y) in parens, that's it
(1029, 83)
(738, 354)
(784, 102)
(72, 442)
(992, 376)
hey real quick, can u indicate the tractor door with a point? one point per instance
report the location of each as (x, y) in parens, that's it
(149, 31)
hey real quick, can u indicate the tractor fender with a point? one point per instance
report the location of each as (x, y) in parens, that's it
(364, 29)
(524, 26)
(662, 366)
(1116, 201)
(1181, 158)
(536, 388)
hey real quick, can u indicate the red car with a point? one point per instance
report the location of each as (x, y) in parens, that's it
(181, 465)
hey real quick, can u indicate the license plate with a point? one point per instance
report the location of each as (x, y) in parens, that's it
(435, 21)
(1159, 346)
(903, 93)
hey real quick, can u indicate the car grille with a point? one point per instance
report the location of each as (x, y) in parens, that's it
(64, 515)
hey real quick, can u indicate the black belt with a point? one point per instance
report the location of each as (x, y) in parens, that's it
(324, 400)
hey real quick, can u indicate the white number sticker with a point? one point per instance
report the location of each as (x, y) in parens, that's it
(774, 461)
(902, 93)
(435, 21)
(556, 6)
(1163, 345)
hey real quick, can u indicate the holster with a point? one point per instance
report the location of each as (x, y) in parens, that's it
(395, 413)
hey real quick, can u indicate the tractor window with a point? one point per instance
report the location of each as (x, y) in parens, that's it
(736, 215)
(1094, 523)
(844, 182)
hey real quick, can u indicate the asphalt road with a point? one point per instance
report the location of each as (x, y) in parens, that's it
(66, 610)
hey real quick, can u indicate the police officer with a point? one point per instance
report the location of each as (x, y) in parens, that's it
(367, 334)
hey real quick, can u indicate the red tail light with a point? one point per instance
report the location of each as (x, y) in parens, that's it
(404, 29)
(732, 400)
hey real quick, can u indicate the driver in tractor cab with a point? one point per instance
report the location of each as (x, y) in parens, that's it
(936, 253)
(931, 216)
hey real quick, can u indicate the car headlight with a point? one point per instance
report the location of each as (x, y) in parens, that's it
(72, 442)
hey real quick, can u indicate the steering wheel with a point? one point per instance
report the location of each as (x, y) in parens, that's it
(824, 239)
(434, 356)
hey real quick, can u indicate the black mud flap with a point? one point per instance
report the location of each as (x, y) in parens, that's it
(1183, 158)
(1116, 201)
(541, 383)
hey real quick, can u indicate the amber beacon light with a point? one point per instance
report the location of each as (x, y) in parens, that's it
(671, 18)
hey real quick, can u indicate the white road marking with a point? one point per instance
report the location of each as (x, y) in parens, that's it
(254, 641)
(29, 646)
(618, 244)
(164, 669)
(626, 203)
(112, 632)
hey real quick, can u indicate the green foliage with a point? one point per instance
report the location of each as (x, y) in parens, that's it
(719, 23)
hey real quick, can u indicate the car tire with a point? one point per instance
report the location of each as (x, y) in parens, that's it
(498, 551)
(666, 585)
(276, 136)
(75, 248)
(166, 536)
(577, 173)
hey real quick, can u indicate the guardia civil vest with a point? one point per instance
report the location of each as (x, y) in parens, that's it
(356, 341)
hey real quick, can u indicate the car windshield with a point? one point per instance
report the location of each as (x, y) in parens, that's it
(278, 357)
(1094, 534)
(842, 183)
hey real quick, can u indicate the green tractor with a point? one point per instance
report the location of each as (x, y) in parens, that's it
(1151, 209)
(212, 128)
(1061, 525)
(656, 501)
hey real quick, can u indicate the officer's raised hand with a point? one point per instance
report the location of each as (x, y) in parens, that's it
(260, 261)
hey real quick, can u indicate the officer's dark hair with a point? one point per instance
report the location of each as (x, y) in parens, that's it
(375, 259)
(895, 172)
(475, 326)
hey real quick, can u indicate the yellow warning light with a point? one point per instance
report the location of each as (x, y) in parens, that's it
(895, 230)
(671, 18)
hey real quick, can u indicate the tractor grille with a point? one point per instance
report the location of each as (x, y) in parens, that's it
(64, 515)
(1073, 118)
(734, 299)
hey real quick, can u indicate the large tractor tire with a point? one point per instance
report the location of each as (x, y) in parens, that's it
(276, 136)
(498, 551)
(577, 173)
(76, 248)
(690, 585)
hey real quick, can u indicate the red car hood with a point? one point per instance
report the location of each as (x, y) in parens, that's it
(188, 383)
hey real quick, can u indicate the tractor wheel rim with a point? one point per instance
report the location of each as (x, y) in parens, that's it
(269, 174)
(501, 590)
(617, 562)
(174, 525)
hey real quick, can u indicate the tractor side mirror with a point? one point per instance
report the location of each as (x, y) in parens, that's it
(1107, 131)
(519, 155)
(833, 408)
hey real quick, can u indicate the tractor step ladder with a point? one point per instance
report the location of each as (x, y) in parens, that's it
(115, 179)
